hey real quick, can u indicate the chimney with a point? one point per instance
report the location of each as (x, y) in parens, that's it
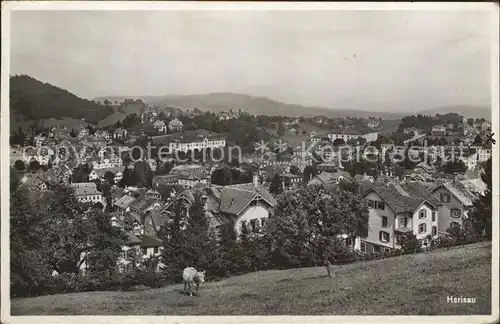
(255, 180)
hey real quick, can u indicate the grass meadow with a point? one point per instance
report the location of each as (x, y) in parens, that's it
(407, 285)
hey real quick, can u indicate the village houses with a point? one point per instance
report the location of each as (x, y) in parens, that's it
(346, 136)
(87, 192)
(120, 134)
(246, 204)
(190, 141)
(175, 125)
(438, 130)
(160, 126)
(103, 134)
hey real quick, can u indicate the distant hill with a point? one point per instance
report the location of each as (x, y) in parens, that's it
(37, 100)
(225, 101)
(120, 112)
(467, 111)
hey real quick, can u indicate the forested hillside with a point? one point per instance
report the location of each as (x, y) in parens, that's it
(37, 100)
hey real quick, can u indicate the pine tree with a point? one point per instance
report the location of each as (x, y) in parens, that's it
(481, 215)
(225, 261)
(200, 239)
(173, 238)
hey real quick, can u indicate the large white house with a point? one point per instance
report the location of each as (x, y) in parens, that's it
(87, 192)
(243, 205)
(190, 141)
(369, 137)
(175, 125)
(397, 210)
(160, 126)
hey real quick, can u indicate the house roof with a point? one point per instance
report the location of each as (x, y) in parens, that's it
(329, 177)
(85, 188)
(425, 166)
(149, 241)
(475, 186)
(101, 132)
(131, 239)
(229, 200)
(141, 204)
(418, 190)
(124, 201)
(175, 122)
(459, 190)
(396, 201)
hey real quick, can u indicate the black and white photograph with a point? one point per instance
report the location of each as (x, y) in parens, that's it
(249, 159)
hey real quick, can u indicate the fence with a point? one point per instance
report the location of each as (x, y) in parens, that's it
(436, 244)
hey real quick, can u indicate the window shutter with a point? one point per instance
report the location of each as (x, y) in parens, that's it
(441, 197)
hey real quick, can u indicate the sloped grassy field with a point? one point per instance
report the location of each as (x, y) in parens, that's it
(406, 285)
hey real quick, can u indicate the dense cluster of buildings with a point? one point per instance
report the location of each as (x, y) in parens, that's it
(422, 201)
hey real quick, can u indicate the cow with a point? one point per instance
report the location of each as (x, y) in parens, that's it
(191, 276)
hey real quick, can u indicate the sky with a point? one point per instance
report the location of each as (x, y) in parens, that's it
(367, 60)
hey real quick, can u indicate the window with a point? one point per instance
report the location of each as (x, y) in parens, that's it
(456, 213)
(363, 246)
(253, 224)
(433, 216)
(422, 228)
(422, 213)
(376, 249)
(434, 230)
(384, 236)
(243, 224)
(263, 221)
(380, 205)
(144, 251)
(387, 250)
(454, 224)
(156, 250)
(445, 197)
(403, 222)
(370, 203)
(384, 221)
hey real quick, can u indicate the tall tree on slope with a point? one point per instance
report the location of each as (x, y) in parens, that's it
(481, 215)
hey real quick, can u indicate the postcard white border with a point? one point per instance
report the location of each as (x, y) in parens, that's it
(8, 7)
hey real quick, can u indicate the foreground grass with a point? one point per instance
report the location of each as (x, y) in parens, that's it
(407, 285)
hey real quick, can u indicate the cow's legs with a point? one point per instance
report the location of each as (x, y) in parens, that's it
(185, 286)
(197, 287)
(190, 289)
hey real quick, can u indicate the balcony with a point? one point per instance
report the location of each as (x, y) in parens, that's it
(403, 230)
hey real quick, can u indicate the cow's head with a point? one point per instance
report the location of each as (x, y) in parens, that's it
(201, 276)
